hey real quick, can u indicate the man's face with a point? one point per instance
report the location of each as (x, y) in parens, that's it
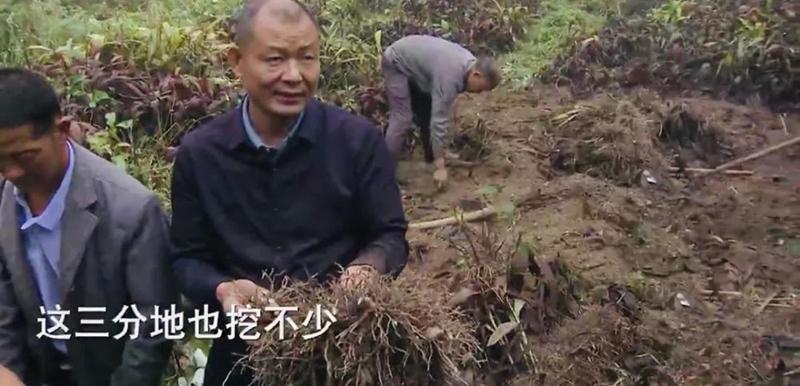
(28, 162)
(279, 64)
(477, 83)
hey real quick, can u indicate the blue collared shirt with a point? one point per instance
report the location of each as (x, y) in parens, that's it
(42, 240)
(253, 136)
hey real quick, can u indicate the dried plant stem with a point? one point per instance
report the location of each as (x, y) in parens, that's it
(754, 156)
(704, 170)
(470, 216)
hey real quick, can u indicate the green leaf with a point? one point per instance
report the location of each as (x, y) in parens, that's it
(501, 331)
(506, 208)
(97, 39)
(793, 247)
(524, 249)
(120, 160)
(488, 190)
(111, 119)
(126, 124)
(42, 48)
(378, 35)
(518, 304)
(99, 142)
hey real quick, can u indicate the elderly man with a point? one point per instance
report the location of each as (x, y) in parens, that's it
(81, 244)
(283, 184)
(423, 75)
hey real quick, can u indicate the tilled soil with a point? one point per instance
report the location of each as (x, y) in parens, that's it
(682, 283)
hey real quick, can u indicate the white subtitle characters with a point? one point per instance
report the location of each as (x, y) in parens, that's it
(206, 325)
(279, 321)
(91, 322)
(241, 320)
(173, 321)
(316, 314)
(57, 317)
(136, 320)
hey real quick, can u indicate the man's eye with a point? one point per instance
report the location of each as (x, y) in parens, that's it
(26, 155)
(274, 59)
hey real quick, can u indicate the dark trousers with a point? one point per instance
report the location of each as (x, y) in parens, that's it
(60, 373)
(421, 107)
(407, 104)
(222, 369)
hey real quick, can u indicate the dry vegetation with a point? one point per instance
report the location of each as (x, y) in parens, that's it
(393, 332)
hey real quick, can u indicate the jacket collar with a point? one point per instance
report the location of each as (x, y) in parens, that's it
(52, 214)
(235, 135)
(78, 224)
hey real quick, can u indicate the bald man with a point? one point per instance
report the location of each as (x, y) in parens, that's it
(283, 184)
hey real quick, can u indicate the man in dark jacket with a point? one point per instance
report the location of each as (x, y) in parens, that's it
(423, 75)
(283, 184)
(83, 246)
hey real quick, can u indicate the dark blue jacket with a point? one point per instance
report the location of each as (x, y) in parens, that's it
(329, 199)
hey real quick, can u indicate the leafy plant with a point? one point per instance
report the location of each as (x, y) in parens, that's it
(560, 24)
(669, 14)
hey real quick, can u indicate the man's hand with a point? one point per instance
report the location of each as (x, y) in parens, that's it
(440, 178)
(448, 154)
(236, 293)
(357, 275)
(8, 378)
(440, 175)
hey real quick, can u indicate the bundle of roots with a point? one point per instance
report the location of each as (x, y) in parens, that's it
(384, 332)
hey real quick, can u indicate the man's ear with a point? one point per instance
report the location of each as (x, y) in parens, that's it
(73, 128)
(234, 55)
(64, 123)
(477, 75)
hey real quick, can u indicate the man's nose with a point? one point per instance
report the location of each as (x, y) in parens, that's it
(292, 73)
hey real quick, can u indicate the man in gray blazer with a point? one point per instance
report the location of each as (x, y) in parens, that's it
(83, 247)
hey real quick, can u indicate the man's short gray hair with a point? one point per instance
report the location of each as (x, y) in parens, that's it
(487, 66)
(241, 22)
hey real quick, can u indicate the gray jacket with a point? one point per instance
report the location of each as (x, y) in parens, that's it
(438, 67)
(114, 254)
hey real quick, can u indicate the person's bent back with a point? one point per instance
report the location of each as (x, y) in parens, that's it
(423, 76)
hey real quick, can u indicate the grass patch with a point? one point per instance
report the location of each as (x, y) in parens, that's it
(560, 24)
(156, 33)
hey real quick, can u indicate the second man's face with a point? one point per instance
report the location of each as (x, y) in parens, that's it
(29, 161)
(476, 83)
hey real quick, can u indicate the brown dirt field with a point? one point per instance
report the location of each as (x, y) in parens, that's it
(713, 267)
